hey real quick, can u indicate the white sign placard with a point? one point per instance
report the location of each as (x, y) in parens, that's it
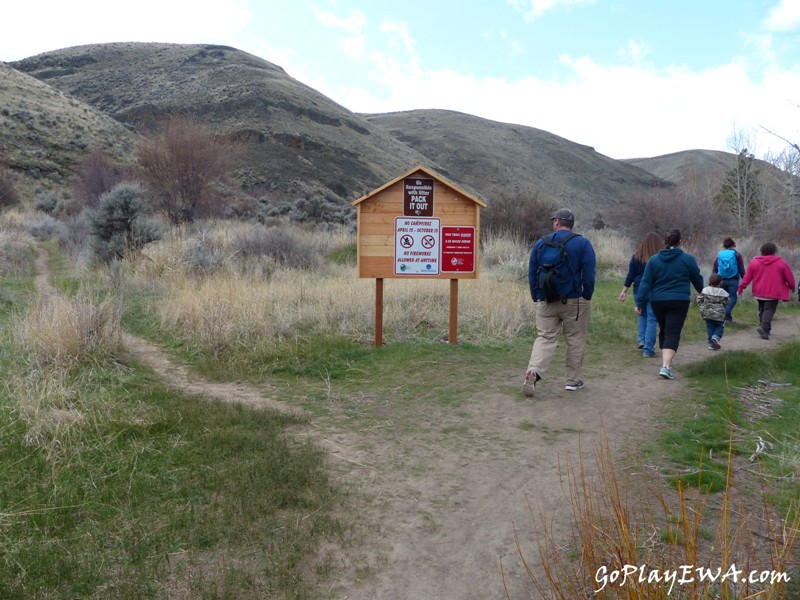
(417, 244)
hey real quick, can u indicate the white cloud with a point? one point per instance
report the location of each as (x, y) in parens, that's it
(784, 16)
(351, 24)
(533, 9)
(353, 45)
(394, 27)
(622, 111)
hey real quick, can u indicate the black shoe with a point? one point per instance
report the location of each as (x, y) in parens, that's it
(762, 332)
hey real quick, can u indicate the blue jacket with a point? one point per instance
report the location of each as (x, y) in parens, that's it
(669, 275)
(582, 260)
(635, 273)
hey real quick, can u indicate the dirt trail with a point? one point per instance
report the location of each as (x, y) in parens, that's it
(440, 495)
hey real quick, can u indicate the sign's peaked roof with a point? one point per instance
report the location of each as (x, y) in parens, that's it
(426, 171)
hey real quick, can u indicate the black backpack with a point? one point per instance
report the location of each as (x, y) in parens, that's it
(555, 276)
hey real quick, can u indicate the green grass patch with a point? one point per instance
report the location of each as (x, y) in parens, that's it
(116, 487)
(755, 394)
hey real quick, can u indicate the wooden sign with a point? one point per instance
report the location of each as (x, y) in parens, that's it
(418, 225)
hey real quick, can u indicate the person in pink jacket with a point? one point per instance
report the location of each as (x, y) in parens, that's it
(772, 282)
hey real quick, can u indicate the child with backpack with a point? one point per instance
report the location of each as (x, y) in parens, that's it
(712, 300)
(730, 265)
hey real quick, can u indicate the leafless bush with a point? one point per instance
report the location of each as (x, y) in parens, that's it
(96, 176)
(668, 208)
(182, 168)
(524, 218)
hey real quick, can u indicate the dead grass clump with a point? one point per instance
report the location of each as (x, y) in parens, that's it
(65, 332)
(16, 251)
(630, 540)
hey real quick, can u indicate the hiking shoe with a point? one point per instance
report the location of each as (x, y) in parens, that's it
(528, 388)
(762, 332)
(575, 386)
(666, 373)
(648, 354)
(640, 346)
(715, 343)
(711, 346)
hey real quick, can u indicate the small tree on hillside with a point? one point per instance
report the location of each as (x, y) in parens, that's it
(181, 167)
(741, 194)
(96, 176)
(119, 224)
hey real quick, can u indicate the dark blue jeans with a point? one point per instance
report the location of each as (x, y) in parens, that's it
(730, 286)
(715, 329)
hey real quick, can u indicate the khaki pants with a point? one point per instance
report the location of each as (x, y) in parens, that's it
(552, 318)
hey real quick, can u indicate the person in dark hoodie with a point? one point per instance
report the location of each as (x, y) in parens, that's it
(667, 284)
(772, 282)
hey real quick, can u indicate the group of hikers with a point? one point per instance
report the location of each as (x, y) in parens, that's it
(561, 276)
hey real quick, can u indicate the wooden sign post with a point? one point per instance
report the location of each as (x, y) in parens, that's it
(419, 226)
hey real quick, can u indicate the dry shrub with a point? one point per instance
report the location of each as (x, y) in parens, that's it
(227, 310)
(65, 332)
(523, 217)
(613, 251)
(16, 251)
(669, 208)
(627, 522)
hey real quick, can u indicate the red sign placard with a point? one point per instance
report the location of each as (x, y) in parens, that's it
(458, 249)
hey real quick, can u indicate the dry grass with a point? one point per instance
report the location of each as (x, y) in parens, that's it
(629, 539)
(64, 332)
(251, 296)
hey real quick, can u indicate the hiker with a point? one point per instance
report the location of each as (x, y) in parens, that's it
(646, 322)
(667, 284)
(730, 265)
(713, 301)
(772, 282)
(561, 274)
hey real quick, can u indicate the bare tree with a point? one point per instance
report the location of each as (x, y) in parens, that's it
(96, 176)
(668, 208)
(181, 167)
(741, 192)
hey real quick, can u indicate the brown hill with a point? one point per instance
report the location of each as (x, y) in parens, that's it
(300, 143)
(515, 161)
(296, 140)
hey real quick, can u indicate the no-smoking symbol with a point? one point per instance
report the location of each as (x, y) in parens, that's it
(428, 242)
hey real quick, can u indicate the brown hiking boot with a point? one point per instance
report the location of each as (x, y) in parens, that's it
(530, 383)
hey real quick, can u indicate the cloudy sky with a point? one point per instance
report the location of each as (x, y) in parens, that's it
(631, 78)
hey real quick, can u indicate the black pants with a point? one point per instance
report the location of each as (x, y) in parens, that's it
(671, 315)
(766, 310)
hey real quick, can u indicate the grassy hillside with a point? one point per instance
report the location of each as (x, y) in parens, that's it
(44, 132)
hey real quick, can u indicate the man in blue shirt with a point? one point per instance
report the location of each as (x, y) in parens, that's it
(569, 313)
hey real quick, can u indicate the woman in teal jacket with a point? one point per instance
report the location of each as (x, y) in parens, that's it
(667, 284)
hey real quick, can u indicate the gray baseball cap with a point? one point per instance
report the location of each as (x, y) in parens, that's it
(563, 214)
